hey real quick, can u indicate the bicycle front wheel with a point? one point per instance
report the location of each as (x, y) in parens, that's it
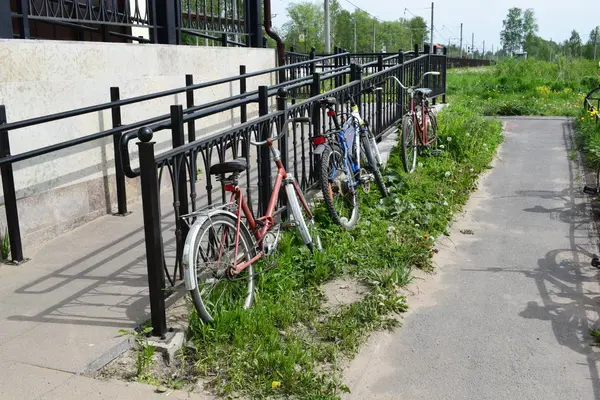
(306, 225)
(341, 199)
(432, 130)
(373, 166)
(409, 144)
(214, 255)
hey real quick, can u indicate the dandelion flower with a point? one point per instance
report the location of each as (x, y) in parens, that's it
(471, 170)
(441, 146)
(275, 384)
(445, 204)
(453, 191)
(449, 139)
(447, 174)
(420, 165)
(468, 134)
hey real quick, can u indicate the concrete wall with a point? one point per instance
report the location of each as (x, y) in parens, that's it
(64, 189)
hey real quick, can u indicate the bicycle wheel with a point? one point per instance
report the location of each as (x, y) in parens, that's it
(432, 130)
(409, 144)
(341, 200)
(372, 165)
(306, 226)
(374, 147)
(214, 249)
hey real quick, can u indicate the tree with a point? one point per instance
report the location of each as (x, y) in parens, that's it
(305, 26)
(511, 35)
(574, 43)
(530, 26)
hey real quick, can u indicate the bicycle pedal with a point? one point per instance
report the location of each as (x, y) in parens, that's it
(289, 224)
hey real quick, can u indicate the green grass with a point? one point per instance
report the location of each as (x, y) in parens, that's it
(287, 344)
(587, 137)
(525, 87)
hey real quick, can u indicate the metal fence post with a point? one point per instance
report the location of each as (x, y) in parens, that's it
(189, 103)
(416, 50)
(315, 90)
(119, 174)
(283, 142)
(264, 165)
(253, 22)
(400, 99)
(380, 62)
(152, 232)
(165, 14)
(180, 180)
(243, 107)
(224, 40)
(311, 56)
(444, 70)
(356, 75)
(10, 196)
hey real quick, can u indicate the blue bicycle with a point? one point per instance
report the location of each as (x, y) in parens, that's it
(341, 171)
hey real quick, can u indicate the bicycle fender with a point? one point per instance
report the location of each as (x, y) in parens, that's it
(190, 277)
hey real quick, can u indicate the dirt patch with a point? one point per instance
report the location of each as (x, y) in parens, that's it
(343, 291)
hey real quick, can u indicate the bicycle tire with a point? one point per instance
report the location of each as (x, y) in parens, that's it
(374, 147)
(326, 188)
(408, 134)
(245, 242)
(309, 235)
(372, 164)
(432, 133)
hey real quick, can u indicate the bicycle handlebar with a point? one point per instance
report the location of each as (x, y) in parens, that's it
(283, 130)
(434, 73)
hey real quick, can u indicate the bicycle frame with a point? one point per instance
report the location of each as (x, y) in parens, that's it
(260, 226)
(420, 128)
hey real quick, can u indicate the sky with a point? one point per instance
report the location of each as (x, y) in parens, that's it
(556, 18)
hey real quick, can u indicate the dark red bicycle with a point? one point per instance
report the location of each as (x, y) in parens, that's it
(419, 124)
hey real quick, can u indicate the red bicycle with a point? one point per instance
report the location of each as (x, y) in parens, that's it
(419, 124)
(225, 240)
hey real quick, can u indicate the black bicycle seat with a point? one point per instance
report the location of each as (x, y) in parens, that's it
(238, 165)
(424, 91)
(328, 101)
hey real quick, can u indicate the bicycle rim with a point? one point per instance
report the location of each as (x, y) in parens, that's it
(340, 199)
(373, 166)
(214, 248)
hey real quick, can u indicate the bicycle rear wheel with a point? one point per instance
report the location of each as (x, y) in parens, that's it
(214, 253)
(341, 199)
(409, 144)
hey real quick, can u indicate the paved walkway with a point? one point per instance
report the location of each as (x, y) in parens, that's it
(508, 313)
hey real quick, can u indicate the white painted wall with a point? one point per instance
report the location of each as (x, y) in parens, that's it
(42, 77)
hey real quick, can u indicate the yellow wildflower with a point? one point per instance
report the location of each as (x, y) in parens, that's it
(275, 384)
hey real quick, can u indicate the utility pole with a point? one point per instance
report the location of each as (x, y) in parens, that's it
(431, 44)
(472, 45)
(354, 35)
(327, 33)
(483, 50)
(374, 32)
(492, 57)
(461, 40)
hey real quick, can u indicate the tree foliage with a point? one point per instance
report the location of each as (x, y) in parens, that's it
(305, 29)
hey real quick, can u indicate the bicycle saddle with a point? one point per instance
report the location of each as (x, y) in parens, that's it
(328, 101)
(424, 91)
(238, 165)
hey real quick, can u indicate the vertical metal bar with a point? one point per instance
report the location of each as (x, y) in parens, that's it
(224, 40)
(379, 112)
(264, 167)
(315, 90)
(189, 102)
(10, 195)
(119, 174)
(166, 18)
(23, 9)
(180, 174)
(444, 70)
(311, 56)
(253, 21)
(243, 107)
(400, 97)
(152, 232)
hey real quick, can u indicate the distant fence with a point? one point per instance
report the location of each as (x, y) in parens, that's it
(467, 62)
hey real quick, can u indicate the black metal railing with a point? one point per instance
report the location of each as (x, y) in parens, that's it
(192, 189)
(467, 62)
